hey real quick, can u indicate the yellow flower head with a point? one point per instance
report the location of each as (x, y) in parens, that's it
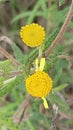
(32, 35)
(39, 84)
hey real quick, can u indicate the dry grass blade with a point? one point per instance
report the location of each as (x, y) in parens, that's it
(17, 117)
(7, 55)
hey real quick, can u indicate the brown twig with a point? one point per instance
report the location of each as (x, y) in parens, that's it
(61, 96)
(54, 118)
(6, 39)
(63, 127)
(66, 116)
(12, 73)
(7, 55)
(49, 3)
(17, 116)
(61, 32)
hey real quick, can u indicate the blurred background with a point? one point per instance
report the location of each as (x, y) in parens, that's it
(50, 14)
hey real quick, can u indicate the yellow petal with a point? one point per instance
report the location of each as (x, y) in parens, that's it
(45, 103)
(42, 64)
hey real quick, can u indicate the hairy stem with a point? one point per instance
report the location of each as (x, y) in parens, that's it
(61, 32)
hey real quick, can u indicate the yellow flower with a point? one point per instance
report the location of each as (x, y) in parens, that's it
(39, 84)
(32, 35)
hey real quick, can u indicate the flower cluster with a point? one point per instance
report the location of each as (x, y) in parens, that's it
(38, 84)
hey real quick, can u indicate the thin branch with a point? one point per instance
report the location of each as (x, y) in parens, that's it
(61, 96)
(62, 30)
(66, 116)
(63, 127)
(17, 116)
(7, 55)
(15, 73)
(12, 73)
(6, 39)
(49, 3)
(54, 118)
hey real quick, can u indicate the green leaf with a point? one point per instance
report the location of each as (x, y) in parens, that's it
(2, 1)
(21, 15)
(30, 125)
(61, 64)
(59, 88)
(44, 8)
(47, 66)
(34, 11)
(71, 24)
(57, 76)
(27, 14)
(69, 35)
(5, 63)
(50, 39)
(9, 86)
(6, 66)
(54, 98)
(1, 80)
(18, 54)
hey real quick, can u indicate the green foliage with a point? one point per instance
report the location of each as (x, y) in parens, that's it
(18, 54)
(6, 66)
(57, 17)
(55, 99)
(6, 118)
(1, 80)
(33, 54)
(59, 88)
(33, 13)
(50, 39)
(61, 2)
(8, 86)
(69, 35)
(2, 0)
(60, 69)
